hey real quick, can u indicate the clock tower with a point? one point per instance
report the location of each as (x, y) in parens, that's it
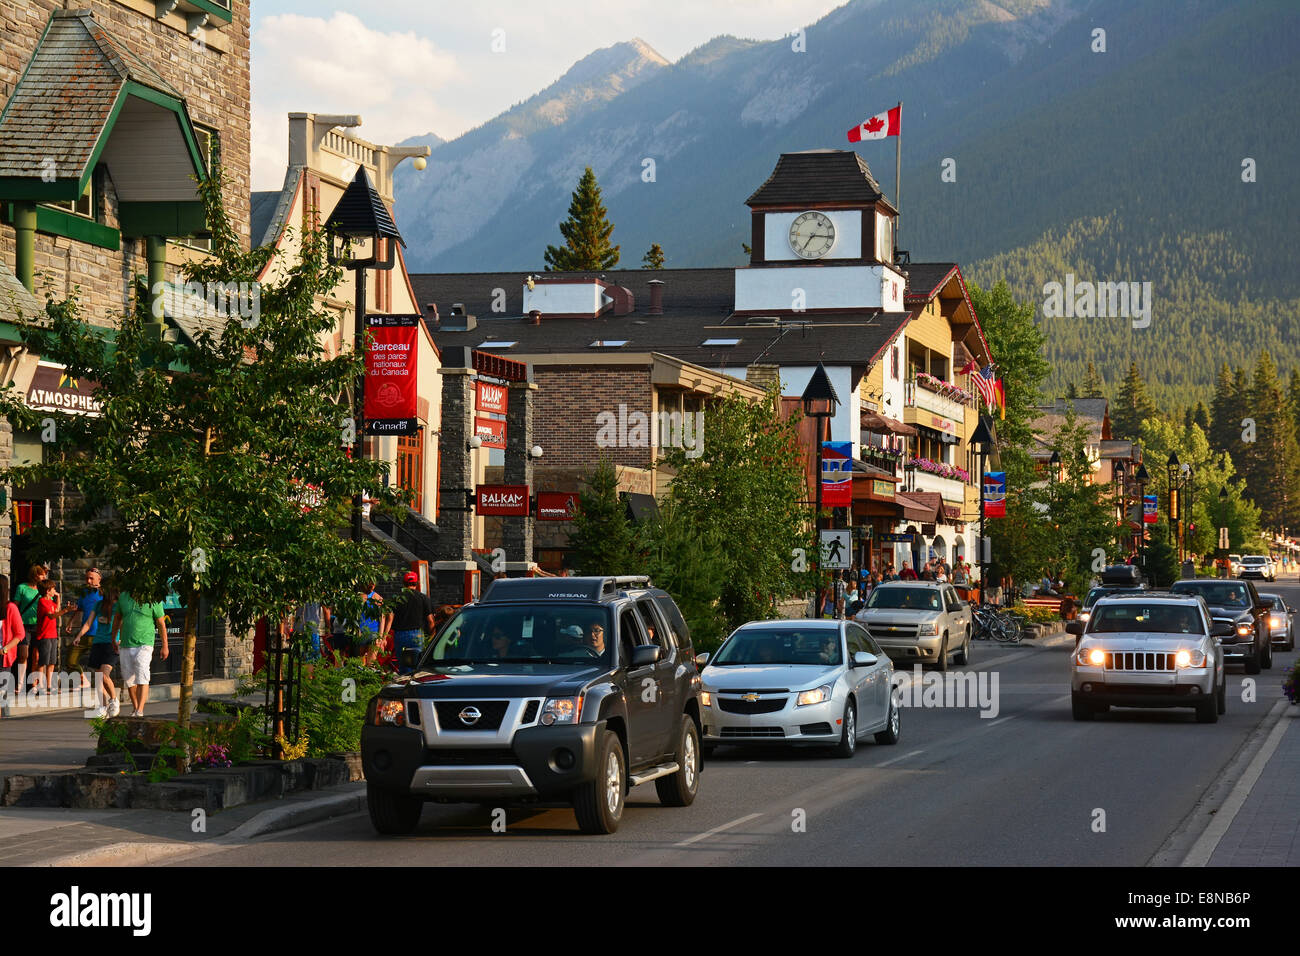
(822, 239)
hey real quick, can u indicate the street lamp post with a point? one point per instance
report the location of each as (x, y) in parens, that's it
(1119, 473)
(1221, 552)
(819, 402)
(1175, 513)
(982, 437)
(1142, 477)
(361, 220)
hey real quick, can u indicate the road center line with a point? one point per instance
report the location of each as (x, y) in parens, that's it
(726, 826)
(897, 759)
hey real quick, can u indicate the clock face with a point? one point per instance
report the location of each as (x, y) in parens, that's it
(811, 235)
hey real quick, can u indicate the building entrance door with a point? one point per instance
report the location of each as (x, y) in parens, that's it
(410, 466)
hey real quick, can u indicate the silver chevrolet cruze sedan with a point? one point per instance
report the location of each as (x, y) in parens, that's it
(798, 682)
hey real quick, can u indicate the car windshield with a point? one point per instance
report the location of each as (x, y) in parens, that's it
(1221, 593)
(557, 634)
(781, 646)
(1253, 560)
(1145, 618)
(912, 599)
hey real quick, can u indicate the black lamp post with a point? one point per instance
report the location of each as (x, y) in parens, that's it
(982, 440)
(360, 221)
(1142, 477)
(1175, 515)
(1119, 472)
(1222, 551)
(819, 402)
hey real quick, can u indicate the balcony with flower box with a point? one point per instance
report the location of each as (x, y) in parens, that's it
(948, 480)
(926, 397)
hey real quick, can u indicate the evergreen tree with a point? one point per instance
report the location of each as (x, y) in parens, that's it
(1132, 407)
(1017, 344)
(1293, 392)
(1201, 417)
(602, 539)
(1161, 560)
(586, 233)
(654, 259)
(1225, 420)
(1071, 392)
(1272, 462)
(1092, 384)
(682, 558)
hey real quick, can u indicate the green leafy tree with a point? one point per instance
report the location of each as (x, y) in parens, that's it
(586, 233)
(216, 467)
(1082, 513)
(747, 486)
(1017, 346)
(683, 558)
(1132, 407)
(654, 258)
(602, 539)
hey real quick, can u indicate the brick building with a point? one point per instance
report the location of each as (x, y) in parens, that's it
(111, 111)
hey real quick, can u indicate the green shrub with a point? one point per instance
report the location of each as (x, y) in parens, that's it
(333, 704)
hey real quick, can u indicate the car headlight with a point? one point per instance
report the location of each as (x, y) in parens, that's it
(1276, 621)
(391, 713)
(1084, 615)
(1244, 629)
(927, 629)
(562, 710)
(1090, 657)
(818, 696)
(1186, 658)
(706, 698)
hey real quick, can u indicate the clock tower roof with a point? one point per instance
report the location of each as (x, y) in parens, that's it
(819, 176)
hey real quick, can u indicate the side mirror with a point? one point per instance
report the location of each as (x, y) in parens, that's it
(1222, 629)
(864, 659)
(643, 655)
(701, 659)
(1075, 627)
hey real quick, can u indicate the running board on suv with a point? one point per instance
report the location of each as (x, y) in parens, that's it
(654, 773)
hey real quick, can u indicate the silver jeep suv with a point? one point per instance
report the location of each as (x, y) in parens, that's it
(1157, 649)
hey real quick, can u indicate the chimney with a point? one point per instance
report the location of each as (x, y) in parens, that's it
(656, 297)
(431, 310)
(624, 303)
(458, 321)
(535, 317)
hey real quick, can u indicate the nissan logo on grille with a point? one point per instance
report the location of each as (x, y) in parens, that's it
(469, 716)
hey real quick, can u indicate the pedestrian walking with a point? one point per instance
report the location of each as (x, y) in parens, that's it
(374, 625)
(45, 646)
(412, 619)
(138, 624)
(12, 633)
(840, 590)
(87, 627)
(25, 596)
(309, 622)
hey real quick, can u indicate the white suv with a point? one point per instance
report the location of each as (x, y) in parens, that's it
(1257, 566)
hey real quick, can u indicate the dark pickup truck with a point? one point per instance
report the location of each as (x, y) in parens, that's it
(1239, 603)
(546, 690)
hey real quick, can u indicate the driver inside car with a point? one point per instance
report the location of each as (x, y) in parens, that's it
(596, 638)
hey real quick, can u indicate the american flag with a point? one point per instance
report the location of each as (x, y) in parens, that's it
(983, 382)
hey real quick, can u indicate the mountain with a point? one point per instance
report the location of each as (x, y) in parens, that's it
(1122, 165)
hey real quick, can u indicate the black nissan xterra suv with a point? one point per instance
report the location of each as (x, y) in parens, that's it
(545, 690)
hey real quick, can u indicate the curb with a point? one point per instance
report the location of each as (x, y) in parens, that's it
(270, 820)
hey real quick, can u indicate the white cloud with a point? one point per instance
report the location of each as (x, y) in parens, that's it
(397, 81)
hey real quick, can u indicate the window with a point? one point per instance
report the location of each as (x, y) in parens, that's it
(655, 630)
(726, 342)
(85, 206)
(629, 635)
(676, 623)
(893, 361)
(857, 638)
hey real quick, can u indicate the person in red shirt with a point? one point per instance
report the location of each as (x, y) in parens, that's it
(12, 632)
(46, 644)
(907, 573)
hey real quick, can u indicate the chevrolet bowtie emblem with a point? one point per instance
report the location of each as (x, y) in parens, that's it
(749, 697)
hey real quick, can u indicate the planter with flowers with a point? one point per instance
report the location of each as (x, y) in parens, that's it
(940, 468)
(948, 390)
(1291, 684)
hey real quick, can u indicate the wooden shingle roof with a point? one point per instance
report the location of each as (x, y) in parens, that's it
(65, 98)
(819, 176)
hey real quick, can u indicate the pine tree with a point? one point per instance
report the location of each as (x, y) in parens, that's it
(1132, 406)
(1201, 417)
(1271, 463)
(1071, 392)
(1293, 392)
(586, 233)
(1225, 422)
(602, 540)
(1092, 384)
(654, 259)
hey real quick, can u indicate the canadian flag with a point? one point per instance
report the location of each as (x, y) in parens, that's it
(878, 126)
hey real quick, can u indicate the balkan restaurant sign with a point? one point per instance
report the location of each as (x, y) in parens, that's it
(508, 501)
(53, 390)
(391, 374)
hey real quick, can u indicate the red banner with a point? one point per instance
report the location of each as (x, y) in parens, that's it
(556, 505)
(491, 398)
(491, 430)
(391, 367)
(501, 500)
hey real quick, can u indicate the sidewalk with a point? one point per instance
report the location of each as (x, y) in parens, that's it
(60, 740)
(1266, 829)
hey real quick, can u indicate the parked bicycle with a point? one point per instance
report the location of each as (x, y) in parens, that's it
(995, 623)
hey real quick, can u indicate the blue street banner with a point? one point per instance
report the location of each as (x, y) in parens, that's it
(837, 474)
(1149, 509)
(995, 494)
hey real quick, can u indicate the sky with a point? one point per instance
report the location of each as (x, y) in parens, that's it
(411, 67)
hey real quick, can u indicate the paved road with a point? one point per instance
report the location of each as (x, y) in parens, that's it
(1027, 787)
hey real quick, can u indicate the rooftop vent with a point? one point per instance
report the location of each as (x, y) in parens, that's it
(458, 321)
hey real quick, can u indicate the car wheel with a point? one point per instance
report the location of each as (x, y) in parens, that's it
(943, 654)
(1290, 640)
(678, 789)
(892, 725)
(1207, 712)
(392, 813)
(1221, 698)
(1081, 709)
(848, 744)
(598, 805)
(963, 656)
(1267, 662)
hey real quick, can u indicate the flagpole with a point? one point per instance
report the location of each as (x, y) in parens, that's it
(898, 174)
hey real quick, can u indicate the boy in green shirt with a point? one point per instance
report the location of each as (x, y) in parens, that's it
(137, 624)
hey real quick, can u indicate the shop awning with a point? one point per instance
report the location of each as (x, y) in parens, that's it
(86, 99)
(643, 508)
(884, 425)
(923, 511)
